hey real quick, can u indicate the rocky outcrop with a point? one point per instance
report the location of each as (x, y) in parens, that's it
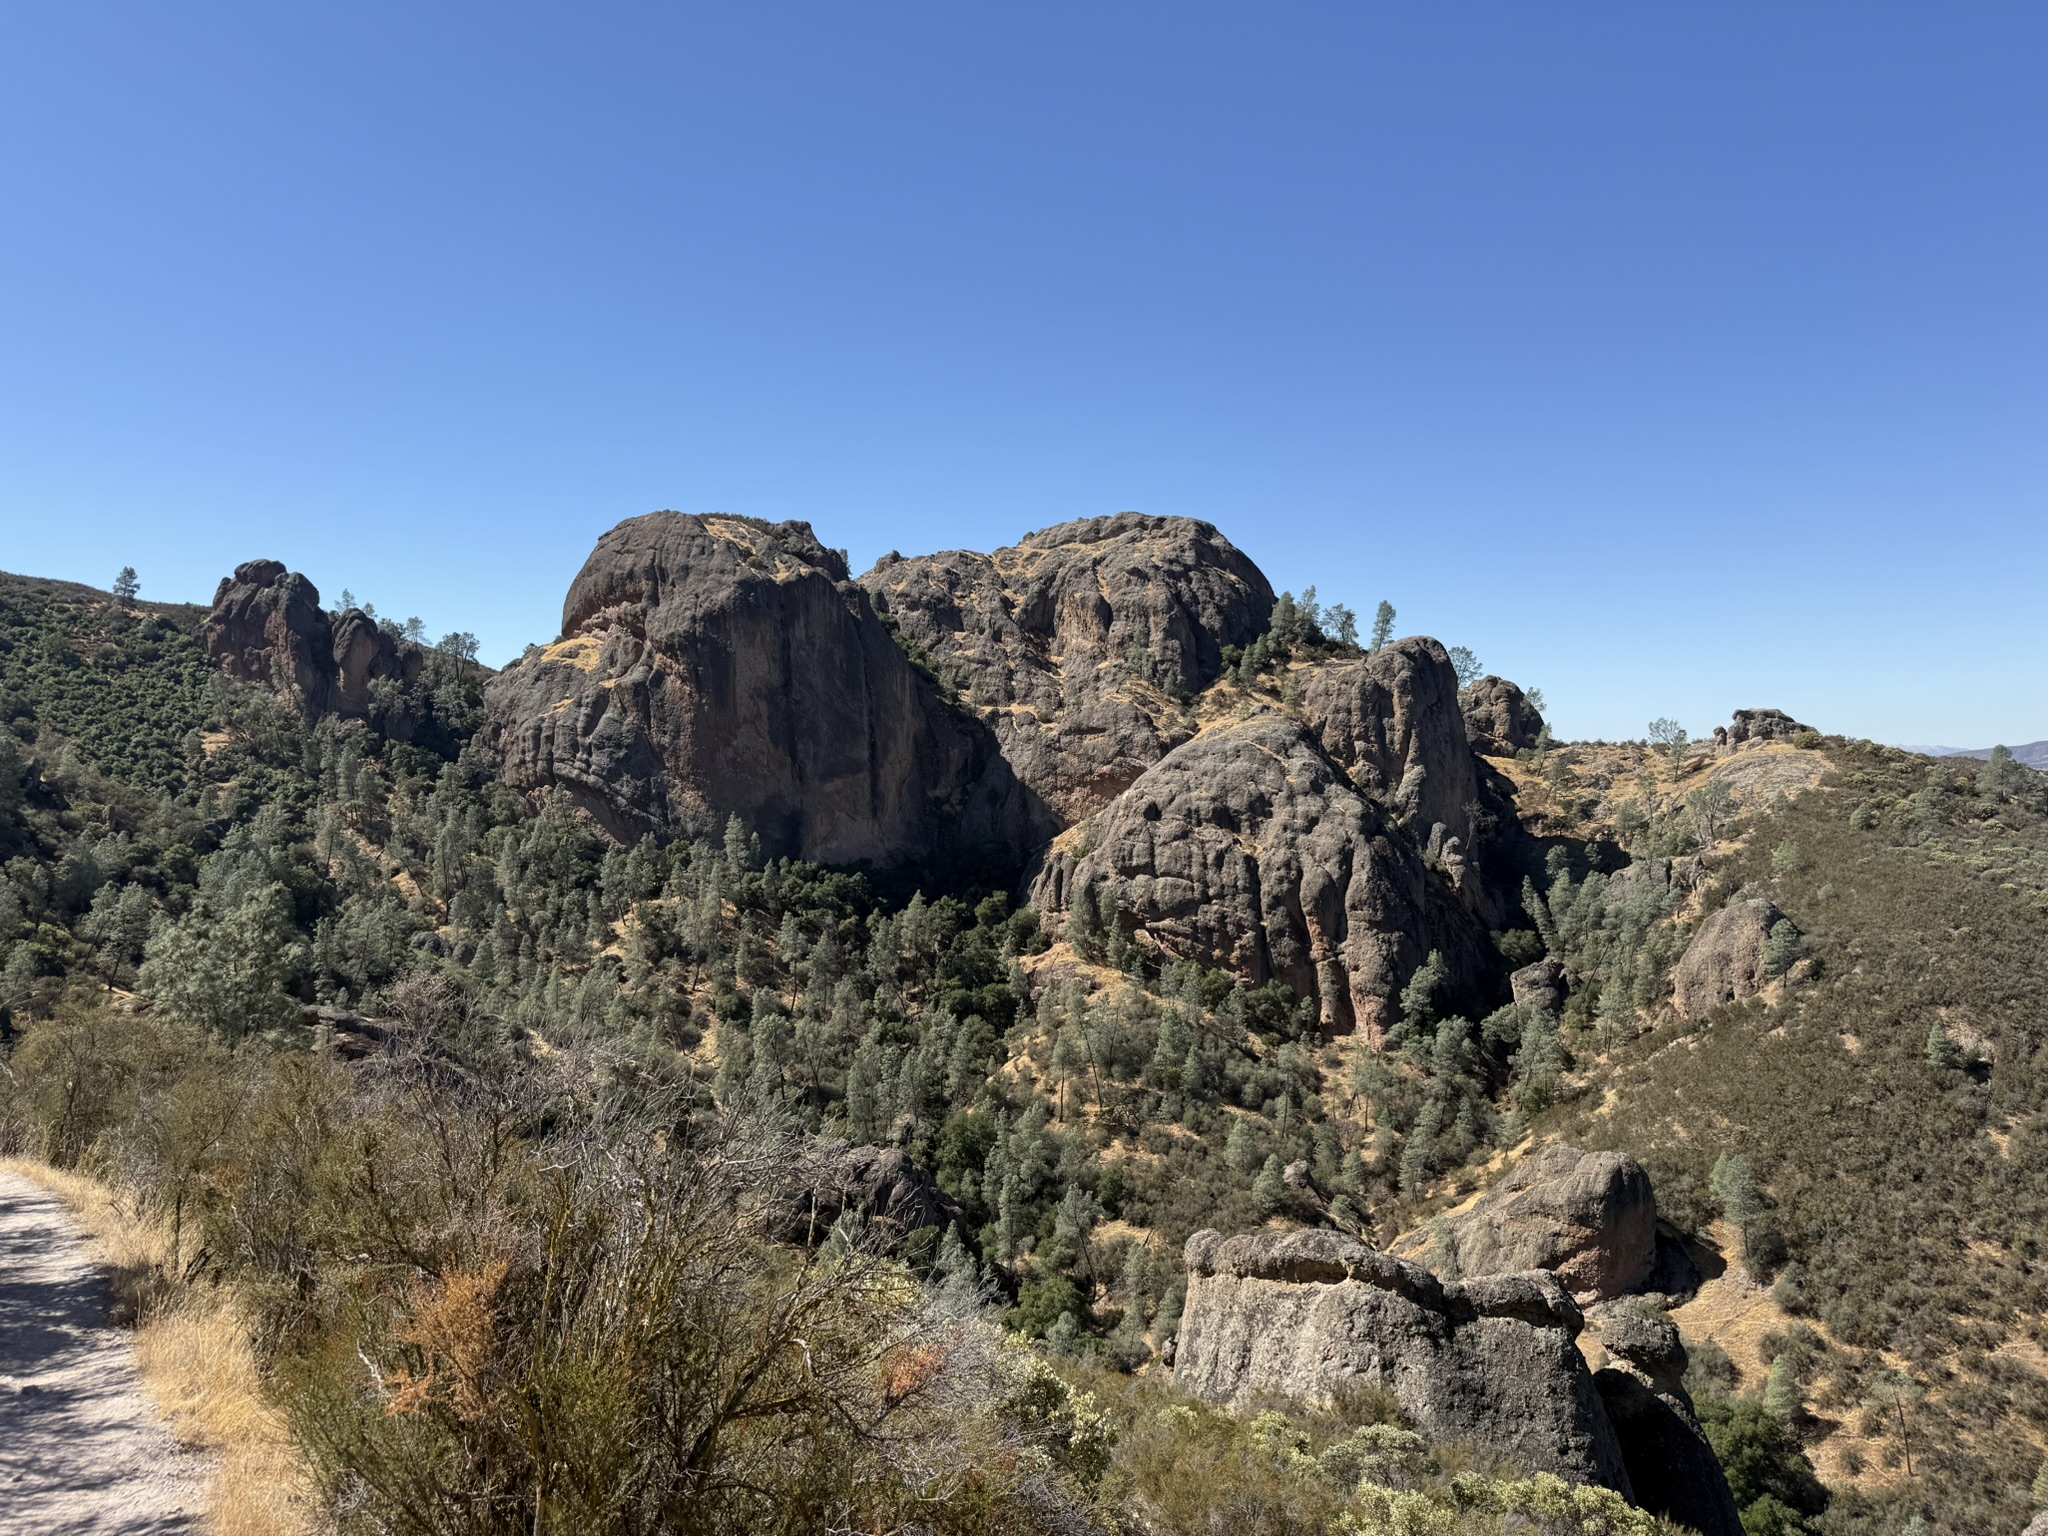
(712, 667)
(1080, 645)
(1671, 1466)
(1590, 1218)
(891, 1194)
(1249, 850)
(1392, 721)
(1491, 1362)
(1539, 985)
(1499, 719)
(1724, 963)
(267, 627)
(1762, 725)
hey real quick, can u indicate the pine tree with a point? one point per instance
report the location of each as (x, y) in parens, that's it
(1781, 1391)
(1941, 1050)
(125, 584)
(1269, 1189)
(1382, 626)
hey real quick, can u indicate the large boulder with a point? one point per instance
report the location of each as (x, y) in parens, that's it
(1392, 721)
(1671, 1466)
(267, 627)
(1081, 644)
(1499, 719)
(890, 1193)
(1763, 725)
(1724, 962)
(1489, 1362)
(365, 654)
(1249, 850)
(1590, 1218)
(712, 667)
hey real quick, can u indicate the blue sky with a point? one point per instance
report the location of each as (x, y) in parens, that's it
(1674, 358)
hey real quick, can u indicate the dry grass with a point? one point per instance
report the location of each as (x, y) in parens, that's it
(196, 1361)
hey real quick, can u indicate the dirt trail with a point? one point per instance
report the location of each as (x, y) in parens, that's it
(81, 1450)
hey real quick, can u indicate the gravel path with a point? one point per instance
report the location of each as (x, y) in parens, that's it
(81, 1450)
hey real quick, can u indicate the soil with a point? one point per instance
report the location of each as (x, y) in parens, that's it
(81, 1449)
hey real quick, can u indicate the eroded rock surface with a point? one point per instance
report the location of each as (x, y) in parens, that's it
(720, 666)
(1670, 1464)
(1490, 1361)
(1724, 963)
(1080, 645)
(1249, 850)
(1763, 725)
(1499, 719)
(881, 1184)
(1590, 1218)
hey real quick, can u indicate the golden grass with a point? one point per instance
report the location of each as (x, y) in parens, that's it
(197, 1364)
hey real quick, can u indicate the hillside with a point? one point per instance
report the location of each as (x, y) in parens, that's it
(1059, 904)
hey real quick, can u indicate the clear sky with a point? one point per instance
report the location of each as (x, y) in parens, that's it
(1674, 358)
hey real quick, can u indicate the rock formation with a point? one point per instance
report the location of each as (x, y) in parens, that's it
(719, 666)
(1724, 963)
(1762, 725)
(1081, 645)
(889, 1192)
(1539, 985)
(1499, 719)
(1590, 1218)
(1671, 1466)
(267, 627)
(1491, 1361)
(1249, 850)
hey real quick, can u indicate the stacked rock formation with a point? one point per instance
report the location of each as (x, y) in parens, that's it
(717, 666)
(1491, 1361)
(267, 627)
(1672, 1470)
(1499, 718)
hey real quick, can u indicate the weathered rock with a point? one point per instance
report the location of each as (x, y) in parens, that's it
(267, 627)
(1499, 719)
(712, 667)
(1491, 1361)
(1392, 721)
(1590, 1218)
(891, 1193)
(1763, 725)
(365, 654)
(1247, 849)
(1671, 1466)
(1080, 645)
(1540, 985)
(1724, 963)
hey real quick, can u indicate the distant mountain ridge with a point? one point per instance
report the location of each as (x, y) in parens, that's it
(2033, 755)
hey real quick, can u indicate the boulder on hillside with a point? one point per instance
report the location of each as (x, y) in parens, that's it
(1540, 985)
(1499, 719)
(712, 667)
(1590, 1218)
(1762, 725)
(1080, 644)
(1392, 721)
(1491, 1362)
(1248, 850)
(1724, 963)
(889, 1192)
(365, 654)
(267, 627)
(1671, 1466)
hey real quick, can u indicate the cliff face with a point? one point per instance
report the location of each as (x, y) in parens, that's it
(712, 667)
(1491, 1362)
(1248, 849)
(1081, 645)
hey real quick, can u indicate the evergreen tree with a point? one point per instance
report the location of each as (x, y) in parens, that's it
(1941, 1050)
(1269, 1189)
(1382, 626)
(1781, 1391)
(125, 584)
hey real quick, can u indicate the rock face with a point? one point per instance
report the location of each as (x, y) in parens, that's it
(1763, 725)
(1499, 719)
(1724, 963)
(267, 627)
(1488, 1361)
(719, 666)
(1392, 721)
(1540, 985)
(887, 1189)
(1670, 1464)
(1590, 1218)
(1248, 849)
(1080, 645)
